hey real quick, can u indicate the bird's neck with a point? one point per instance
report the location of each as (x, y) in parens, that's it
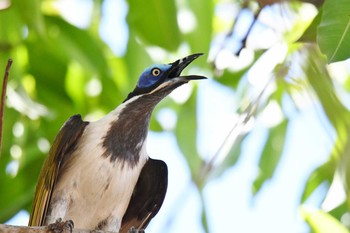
(127, 133)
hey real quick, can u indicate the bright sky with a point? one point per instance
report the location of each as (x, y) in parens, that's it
(229, 202)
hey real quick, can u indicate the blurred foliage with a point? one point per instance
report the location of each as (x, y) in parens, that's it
(322, 222)
(61, 69)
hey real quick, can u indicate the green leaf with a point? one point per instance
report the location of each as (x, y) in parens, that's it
(271, 155)
(75, 85)
(11, 30)
(230, 160)
(336, 112)
(136, 60)
(232, 78)
(320, 81)
(186, 133)
(340, 210)
(49, 71)
(323, 174)
(154, 21)
(120, 75)
(74, 43)
(310, 34)
(322, 222)
(203, 12)
(344, 162)
(18, 191)
(204, 215)
(30, 11)
(155, 126)
(10, 118)
(334, 30)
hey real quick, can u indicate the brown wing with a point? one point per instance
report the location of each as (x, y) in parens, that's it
(61, 149)
(147, 197)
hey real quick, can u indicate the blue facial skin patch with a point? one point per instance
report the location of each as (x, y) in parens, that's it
(149, 76)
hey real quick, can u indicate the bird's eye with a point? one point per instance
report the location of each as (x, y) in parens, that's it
(155, 72)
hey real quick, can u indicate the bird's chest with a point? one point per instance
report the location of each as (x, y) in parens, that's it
(103, 185)
(94, 187)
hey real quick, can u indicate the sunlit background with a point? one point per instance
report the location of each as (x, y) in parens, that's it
(260, 123)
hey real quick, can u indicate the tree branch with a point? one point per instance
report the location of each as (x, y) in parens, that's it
(25, 229)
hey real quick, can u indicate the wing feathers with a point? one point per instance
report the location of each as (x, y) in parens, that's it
(61, 149)
(148, 196)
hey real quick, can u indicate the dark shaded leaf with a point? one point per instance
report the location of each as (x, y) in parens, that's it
(317, 3)
(310, 34)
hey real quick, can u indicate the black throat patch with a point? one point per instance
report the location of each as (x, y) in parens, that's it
(126, 135)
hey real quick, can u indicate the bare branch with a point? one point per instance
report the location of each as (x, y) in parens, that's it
(24, 229)
(3, 96)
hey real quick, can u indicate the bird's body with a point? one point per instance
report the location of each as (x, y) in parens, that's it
(94, 181)
(98, 174)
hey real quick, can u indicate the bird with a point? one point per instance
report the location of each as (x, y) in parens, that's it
(98, 174)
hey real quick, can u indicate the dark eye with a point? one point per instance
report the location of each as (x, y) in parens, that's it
(155, 72)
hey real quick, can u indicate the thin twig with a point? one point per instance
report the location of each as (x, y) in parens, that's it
(228, 34)
(237, 130)
(244, 41)
(3, 96)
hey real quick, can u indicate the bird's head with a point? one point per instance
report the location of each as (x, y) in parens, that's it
(163, 78)
(127, 134)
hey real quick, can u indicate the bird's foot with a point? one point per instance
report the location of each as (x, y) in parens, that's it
(134, 230)
(61, 226)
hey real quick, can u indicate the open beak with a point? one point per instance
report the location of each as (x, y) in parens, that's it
(172, 78)
(178, 66)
